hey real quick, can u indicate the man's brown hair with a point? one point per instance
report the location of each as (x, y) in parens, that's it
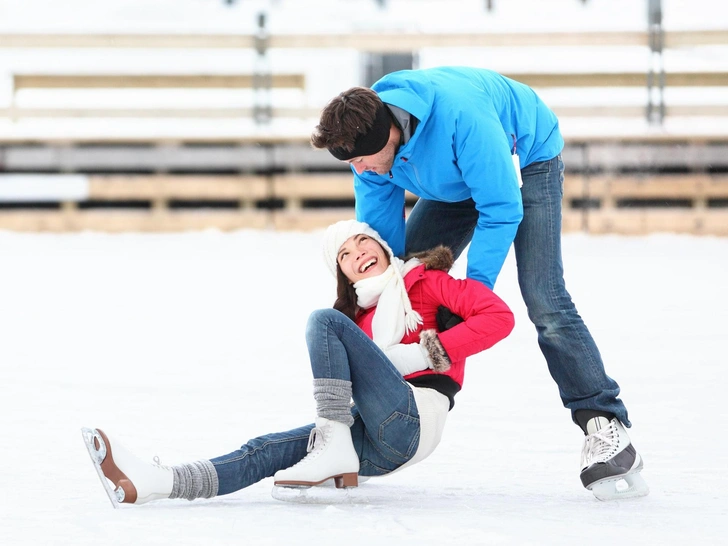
(346, 117)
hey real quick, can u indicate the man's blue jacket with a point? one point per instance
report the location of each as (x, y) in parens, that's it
(470, 120)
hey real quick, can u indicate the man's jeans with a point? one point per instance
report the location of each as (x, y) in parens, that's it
(386, 429)
(571, 354)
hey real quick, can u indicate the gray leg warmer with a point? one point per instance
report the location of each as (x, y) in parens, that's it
(333, 397)
(196, 480)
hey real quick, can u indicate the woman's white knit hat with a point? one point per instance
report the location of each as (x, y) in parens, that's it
(394, 316)
(337, 234)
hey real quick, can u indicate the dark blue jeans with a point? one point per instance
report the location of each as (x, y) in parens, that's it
(386, 429)
(571, 354)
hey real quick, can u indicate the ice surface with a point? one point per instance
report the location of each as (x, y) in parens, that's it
(186, 345)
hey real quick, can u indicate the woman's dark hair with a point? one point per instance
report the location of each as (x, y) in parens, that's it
(345, 295)
(346, 117)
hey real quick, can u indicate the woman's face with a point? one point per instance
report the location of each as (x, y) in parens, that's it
(361, 257)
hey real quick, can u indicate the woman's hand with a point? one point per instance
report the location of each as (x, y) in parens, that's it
(408, 358)
(428, 354)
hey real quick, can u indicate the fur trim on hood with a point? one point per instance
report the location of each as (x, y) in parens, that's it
(439, 257)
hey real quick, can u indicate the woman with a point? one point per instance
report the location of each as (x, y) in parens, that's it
(379, 346)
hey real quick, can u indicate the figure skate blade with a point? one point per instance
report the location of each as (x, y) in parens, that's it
(96, 448)
(627, 486)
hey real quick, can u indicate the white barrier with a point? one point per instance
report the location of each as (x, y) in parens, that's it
(16, 188)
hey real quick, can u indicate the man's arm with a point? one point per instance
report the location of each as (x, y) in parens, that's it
(483, 155)
(381, 205)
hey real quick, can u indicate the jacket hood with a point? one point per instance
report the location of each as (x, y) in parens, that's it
(409, 90)
(439, 257)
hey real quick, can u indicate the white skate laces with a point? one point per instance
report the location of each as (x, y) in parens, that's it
(316, 440)
(316, 444)
(610, 465)
(600, 446)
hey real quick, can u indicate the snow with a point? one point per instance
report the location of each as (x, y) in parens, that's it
(186, 345)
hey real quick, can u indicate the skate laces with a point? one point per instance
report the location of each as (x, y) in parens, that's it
(600, 445)
(158, 462)
(316, 439)
(316, 443)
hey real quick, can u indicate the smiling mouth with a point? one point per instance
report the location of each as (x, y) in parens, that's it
(367, 265)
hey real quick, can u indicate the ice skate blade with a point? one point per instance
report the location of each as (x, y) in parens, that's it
(96, 448)
(628, 486)
(318, 495)
(341, 481)
(327, 483)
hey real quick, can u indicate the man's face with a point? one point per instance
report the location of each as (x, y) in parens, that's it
(381, 162)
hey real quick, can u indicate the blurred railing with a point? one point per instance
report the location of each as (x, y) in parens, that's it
(695, 204)
(219, 168)
(373, 41)
(566, 77)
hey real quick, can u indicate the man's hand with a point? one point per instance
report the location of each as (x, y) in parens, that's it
(446, 319)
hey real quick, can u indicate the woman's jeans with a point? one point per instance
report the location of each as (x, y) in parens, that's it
(386, 429)
(571, 354)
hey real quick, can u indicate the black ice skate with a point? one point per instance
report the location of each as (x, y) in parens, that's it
(610, 465)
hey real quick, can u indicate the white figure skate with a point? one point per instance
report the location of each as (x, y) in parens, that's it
(126, 478)
(331, 455)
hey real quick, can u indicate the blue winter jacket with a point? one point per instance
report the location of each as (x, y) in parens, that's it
(469, 119)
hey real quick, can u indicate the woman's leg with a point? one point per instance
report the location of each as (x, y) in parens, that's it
(260, 458)
(130, 480)
(386, 422)
(345, 364)
(384, 433)
(385, 430)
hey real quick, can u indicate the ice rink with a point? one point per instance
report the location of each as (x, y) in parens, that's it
(186, 345)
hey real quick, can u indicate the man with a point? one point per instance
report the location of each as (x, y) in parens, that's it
(483, 154)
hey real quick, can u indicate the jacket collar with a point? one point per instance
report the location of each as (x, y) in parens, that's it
(417, 274)
(411, 91)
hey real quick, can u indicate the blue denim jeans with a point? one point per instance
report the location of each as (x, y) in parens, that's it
(386, 429)
(571, 354)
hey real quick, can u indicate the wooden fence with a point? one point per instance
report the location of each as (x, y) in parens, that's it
(384, 42)
(695, 204)
(364, 41)
(538, 81)
(693, 201)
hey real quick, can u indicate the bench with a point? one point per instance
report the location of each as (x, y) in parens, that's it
(22, 82)
(620, 79)
(155, 81)
(626, 80)
(696, 204)
(363, 41)
(691, 203)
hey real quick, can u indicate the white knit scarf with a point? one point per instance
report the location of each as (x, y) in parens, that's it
(394, 315)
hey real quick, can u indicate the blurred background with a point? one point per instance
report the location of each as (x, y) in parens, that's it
(171, 115)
